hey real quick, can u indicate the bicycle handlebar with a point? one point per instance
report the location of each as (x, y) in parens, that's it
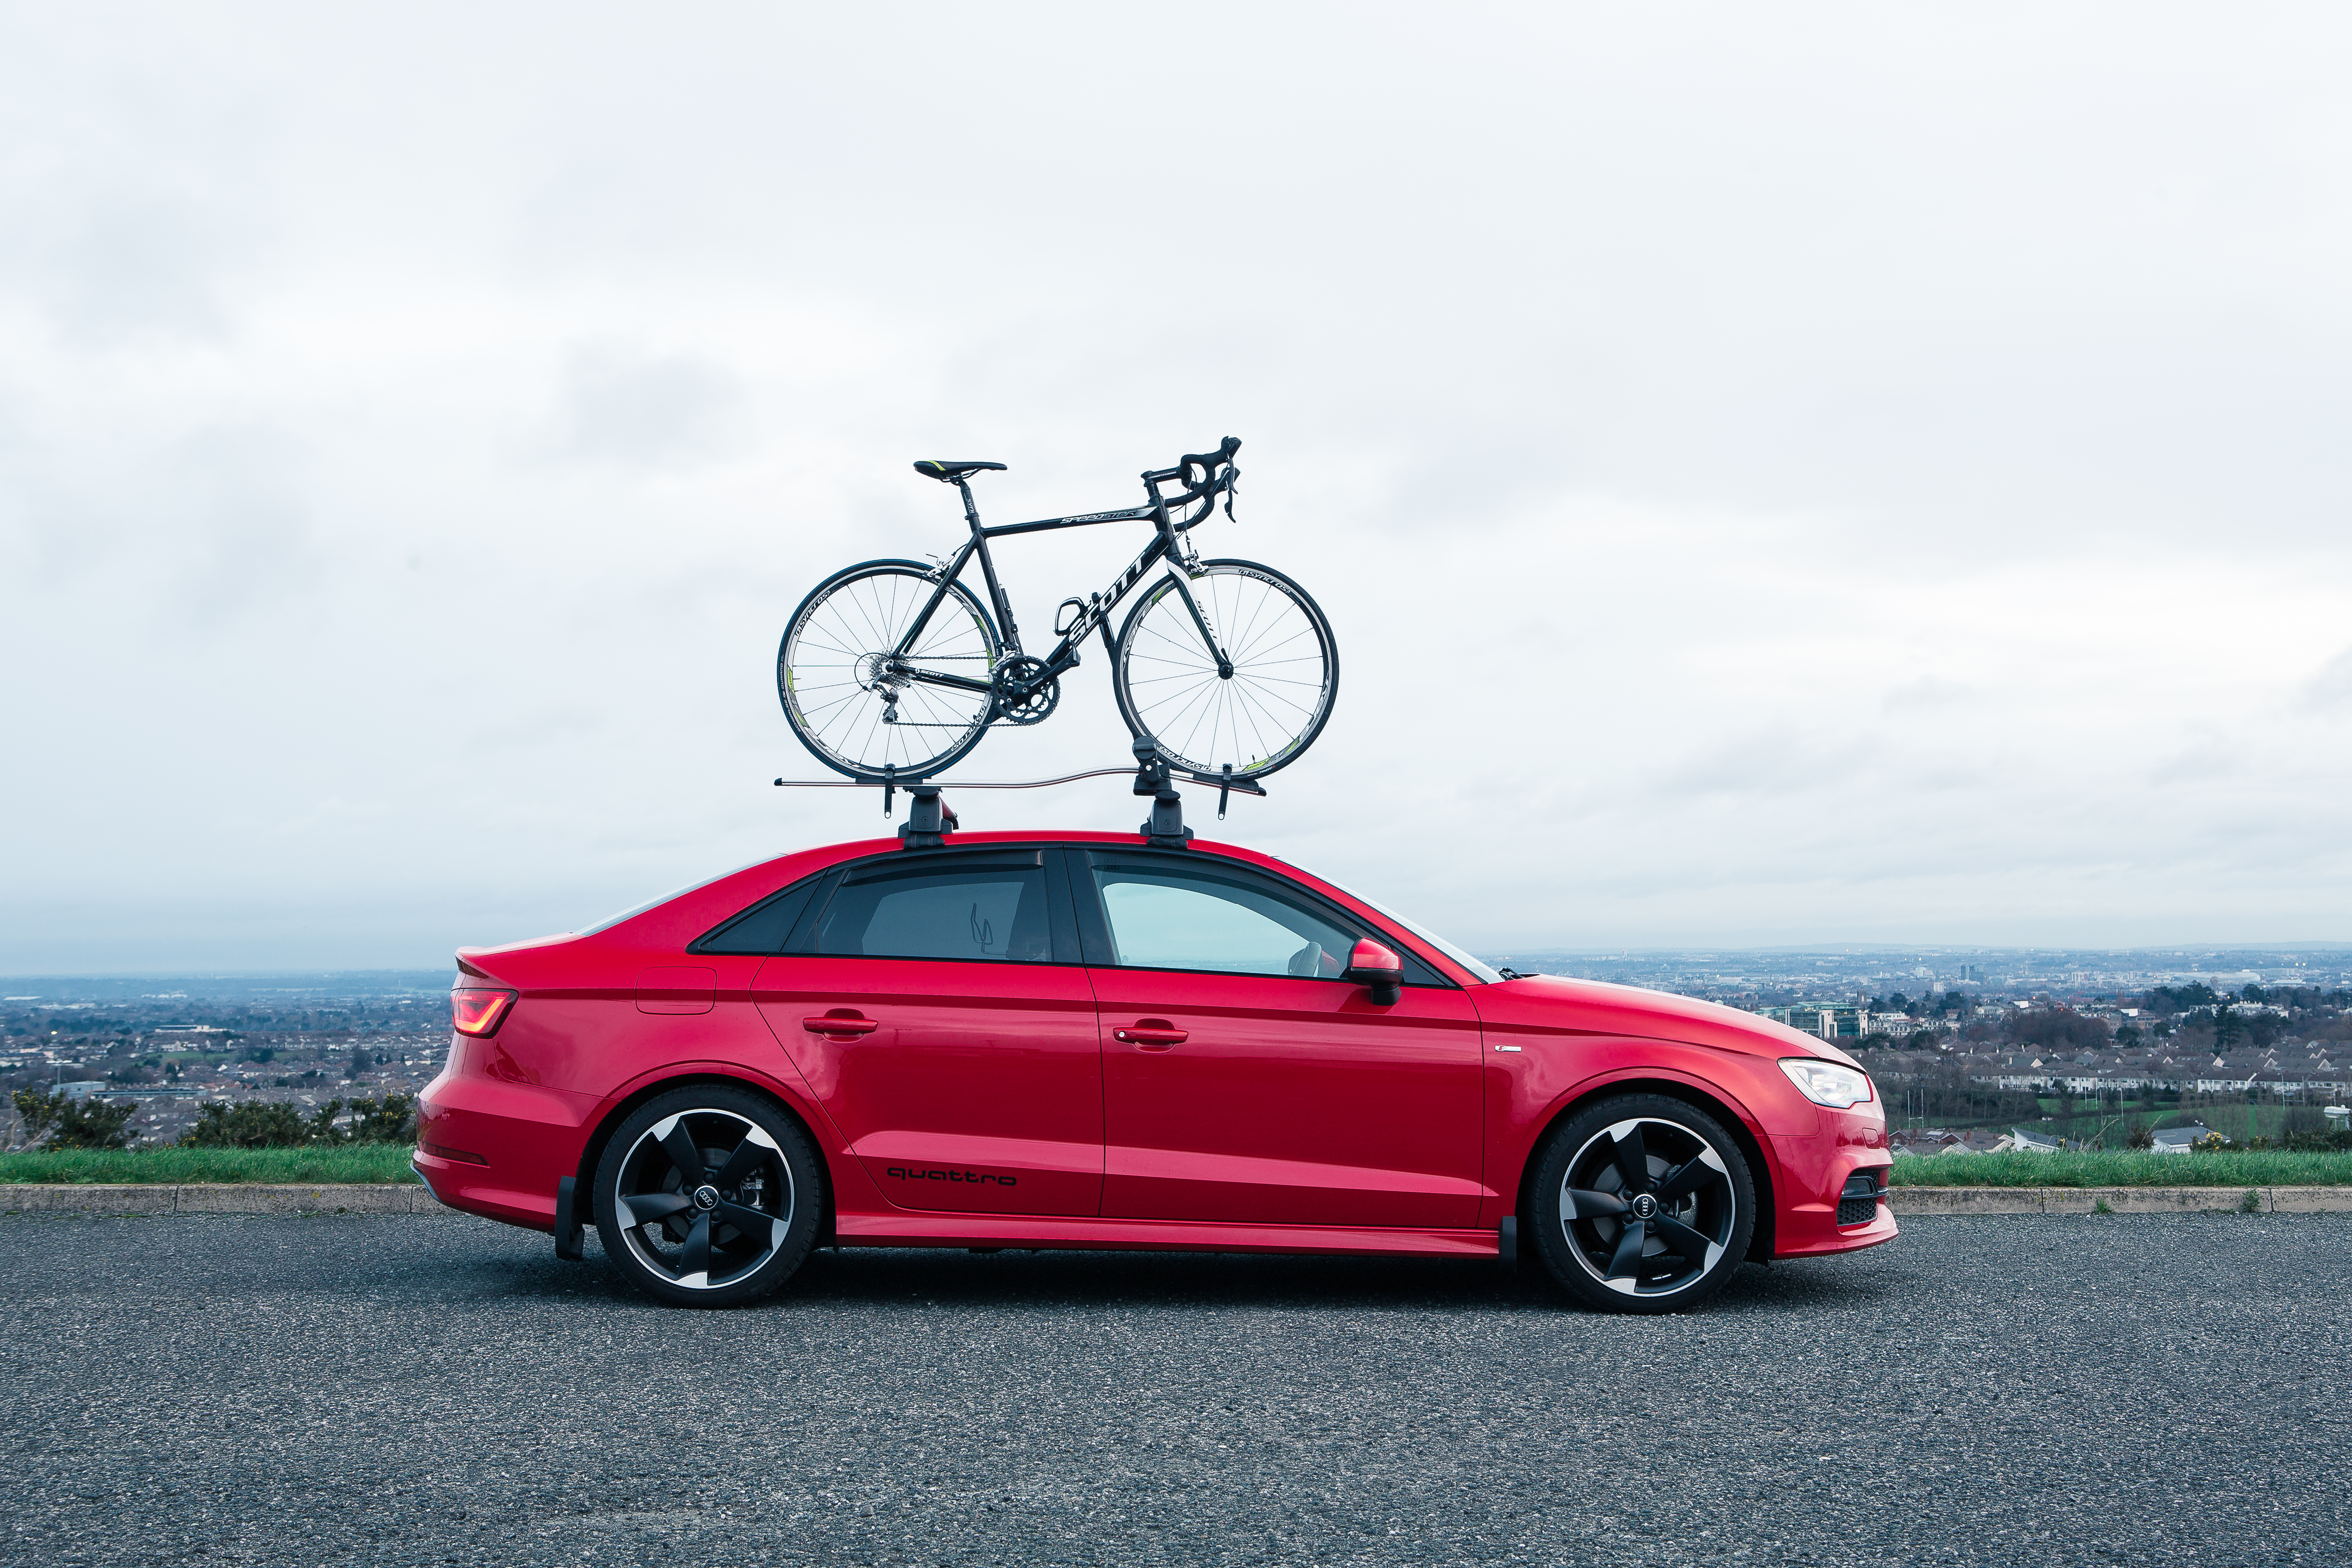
(1208, 463)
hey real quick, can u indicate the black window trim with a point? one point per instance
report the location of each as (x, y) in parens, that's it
(701, 945)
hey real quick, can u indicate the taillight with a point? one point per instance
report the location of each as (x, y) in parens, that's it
(478, 1012)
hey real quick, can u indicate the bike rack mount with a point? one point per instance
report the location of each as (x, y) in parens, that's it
(929, 819)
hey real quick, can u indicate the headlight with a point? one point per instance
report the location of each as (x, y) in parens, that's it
(1826, 1083)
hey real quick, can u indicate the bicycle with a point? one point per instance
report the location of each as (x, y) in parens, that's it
(885, 658)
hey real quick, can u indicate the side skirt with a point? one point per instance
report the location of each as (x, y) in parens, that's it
(1153, 1235)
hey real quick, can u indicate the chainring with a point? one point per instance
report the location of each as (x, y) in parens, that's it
(1024, 693)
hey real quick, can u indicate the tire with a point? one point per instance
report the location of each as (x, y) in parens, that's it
(1693, 1177)
(754, 1168)
(831, 681)
(1285, 665)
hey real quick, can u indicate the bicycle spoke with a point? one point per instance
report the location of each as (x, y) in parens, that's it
(844, 675)
(1275, 695)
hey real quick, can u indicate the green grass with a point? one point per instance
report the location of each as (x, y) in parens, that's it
(354, 1163)
(2121, 1168)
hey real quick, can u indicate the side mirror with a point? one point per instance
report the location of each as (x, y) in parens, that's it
(1370, 964)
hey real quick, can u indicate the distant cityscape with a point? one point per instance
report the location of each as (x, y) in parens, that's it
(1977, 1049)
(172, 1044)
(1972, 1047)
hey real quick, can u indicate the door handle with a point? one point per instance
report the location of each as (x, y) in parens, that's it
(1152, 1036)
(839, 1025)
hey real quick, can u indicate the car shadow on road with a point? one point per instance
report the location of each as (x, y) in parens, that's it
(877, 1277)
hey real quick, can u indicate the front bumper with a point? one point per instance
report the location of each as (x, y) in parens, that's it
(1814, 1171)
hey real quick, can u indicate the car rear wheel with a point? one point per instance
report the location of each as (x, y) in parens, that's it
(1642, 1203)
(709, 1196)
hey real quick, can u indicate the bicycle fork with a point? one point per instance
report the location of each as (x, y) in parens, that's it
(1208, 637)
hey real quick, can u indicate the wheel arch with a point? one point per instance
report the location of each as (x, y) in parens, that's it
(592, 1153)
(1734, 1120)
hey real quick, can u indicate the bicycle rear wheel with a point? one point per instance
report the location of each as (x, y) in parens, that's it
(857, 705)
(1285, 670)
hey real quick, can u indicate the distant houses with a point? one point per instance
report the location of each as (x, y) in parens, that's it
(1938, 1142)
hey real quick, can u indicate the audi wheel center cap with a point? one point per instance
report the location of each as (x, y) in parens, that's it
(1646, 1205)
(706, 1198)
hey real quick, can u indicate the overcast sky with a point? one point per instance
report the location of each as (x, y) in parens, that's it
(1810, 474)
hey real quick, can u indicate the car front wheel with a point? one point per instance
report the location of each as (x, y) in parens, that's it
(1642, 1203)
(709, 1196)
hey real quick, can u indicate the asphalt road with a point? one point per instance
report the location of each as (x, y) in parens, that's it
(386, 1391)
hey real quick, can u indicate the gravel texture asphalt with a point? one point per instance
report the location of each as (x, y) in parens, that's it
(383, 1390)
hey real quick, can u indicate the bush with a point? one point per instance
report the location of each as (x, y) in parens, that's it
(74, 1123)
(39, 1111)
(392, 1119)
(273, 1124)
(2141, 1138)
(255, 1125)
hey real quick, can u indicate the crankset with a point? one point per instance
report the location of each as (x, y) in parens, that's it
(1025, 692)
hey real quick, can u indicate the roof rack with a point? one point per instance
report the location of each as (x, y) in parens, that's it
(929, 819)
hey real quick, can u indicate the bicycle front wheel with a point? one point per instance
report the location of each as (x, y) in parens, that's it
(859, 704)
(1259, 713)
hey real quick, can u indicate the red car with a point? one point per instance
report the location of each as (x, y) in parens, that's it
(1080, 1040)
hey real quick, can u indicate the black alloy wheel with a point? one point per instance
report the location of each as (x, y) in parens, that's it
(709, 1196)
(1642, 1203)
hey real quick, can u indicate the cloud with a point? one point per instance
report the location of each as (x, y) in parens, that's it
(2330, 690)
(628, 408)
(414, 431)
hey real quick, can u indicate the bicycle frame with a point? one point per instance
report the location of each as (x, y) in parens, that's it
(1095, 612)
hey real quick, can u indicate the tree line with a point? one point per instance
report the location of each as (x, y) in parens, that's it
(56, 1121)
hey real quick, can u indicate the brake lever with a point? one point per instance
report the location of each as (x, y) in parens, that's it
(1232, 483)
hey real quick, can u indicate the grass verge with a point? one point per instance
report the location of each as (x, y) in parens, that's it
(2123, 1168)
(353, 1162)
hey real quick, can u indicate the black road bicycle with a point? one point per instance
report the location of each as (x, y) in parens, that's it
(895, 668)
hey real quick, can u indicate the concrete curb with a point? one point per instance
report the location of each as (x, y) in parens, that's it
(222, 1197)
(1909, 1202)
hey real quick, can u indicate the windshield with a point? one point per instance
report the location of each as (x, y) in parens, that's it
(1484, 972)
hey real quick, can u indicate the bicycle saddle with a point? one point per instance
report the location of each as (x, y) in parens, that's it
(932, 468)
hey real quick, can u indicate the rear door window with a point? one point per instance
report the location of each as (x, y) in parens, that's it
(977, 911)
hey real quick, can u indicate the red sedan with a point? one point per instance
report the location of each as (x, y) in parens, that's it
(1078, 1040)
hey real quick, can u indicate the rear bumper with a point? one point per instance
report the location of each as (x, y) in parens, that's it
(498, 1148)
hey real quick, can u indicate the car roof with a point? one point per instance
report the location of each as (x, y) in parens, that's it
(687, 913)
